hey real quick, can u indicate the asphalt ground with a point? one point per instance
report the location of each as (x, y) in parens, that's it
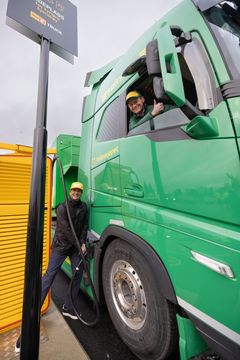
(101, 342)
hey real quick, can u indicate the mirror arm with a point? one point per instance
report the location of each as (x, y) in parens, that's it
(138, 65)
(184, 38)
(181, 36)
(190, 110)
(176, 30)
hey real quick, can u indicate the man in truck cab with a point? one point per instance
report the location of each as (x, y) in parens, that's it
(140, 112)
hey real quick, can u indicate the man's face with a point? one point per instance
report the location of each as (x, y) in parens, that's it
(136, 104)
(75, 194)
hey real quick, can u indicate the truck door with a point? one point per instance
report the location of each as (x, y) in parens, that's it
(189, 159)
(106, 193)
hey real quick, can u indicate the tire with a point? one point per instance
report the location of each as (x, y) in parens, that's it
(144, 319)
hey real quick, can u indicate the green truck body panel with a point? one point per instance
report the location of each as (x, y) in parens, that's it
(67, 149)
(187, 331)
(177, 187)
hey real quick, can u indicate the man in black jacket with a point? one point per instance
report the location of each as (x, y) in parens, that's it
(64, 245)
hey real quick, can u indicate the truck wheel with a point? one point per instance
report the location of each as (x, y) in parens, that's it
(144, 319)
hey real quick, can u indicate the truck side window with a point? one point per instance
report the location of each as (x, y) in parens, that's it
(171, 117)
(113, 121)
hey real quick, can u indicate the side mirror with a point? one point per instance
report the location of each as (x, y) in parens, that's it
(152, 58)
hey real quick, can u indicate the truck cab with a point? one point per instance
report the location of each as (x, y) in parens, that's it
(164, 197)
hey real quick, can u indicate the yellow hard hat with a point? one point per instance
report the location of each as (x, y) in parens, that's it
(77, 185)
(132, 94)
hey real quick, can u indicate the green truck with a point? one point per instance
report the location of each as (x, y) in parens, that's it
(164, 197)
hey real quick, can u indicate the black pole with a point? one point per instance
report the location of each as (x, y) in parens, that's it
(33, 263)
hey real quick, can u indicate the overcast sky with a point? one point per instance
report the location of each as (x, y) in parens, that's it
(106, 29)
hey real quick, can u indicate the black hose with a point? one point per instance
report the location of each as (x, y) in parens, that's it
(82, 261)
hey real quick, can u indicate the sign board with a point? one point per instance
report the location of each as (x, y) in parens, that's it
(55, 20)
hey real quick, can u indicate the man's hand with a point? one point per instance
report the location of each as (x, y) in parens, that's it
(83, 248)
(157, 108)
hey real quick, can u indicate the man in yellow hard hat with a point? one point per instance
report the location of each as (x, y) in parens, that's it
(64, 245)
(140, 111)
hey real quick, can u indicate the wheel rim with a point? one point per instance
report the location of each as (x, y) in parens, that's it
(128, 294)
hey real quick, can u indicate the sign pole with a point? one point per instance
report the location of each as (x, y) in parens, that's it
(33, 262)
(53, 24)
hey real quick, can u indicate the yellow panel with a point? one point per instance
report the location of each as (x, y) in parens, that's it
(15, 173)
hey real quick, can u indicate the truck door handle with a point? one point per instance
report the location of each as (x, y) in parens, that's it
(135, 191)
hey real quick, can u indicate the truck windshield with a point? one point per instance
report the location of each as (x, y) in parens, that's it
(224, 20)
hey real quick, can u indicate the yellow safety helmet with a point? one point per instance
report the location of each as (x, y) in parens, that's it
(77, 185)
(132, 94)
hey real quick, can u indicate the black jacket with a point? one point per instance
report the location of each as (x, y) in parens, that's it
(63, 241)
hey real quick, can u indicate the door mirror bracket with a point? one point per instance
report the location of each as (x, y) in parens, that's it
(202, 127)
(184, 38)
